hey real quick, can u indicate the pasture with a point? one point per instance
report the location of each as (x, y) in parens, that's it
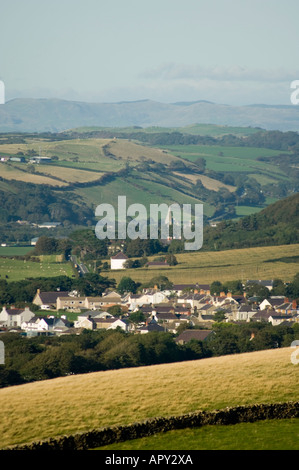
(84, 402)
(241, 436)
(205, 267)
(15, 250)
(13, 269)
(231, 159)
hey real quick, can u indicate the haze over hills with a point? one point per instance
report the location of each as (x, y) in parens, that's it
(54, 115)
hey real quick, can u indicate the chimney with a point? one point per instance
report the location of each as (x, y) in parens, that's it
(229, 294)
(286, 300)
(294, 305)
(38, 291)
(222, 294)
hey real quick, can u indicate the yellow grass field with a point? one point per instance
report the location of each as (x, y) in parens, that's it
(70, 175)
(205, 267)
(80, 403)
(91, 149)
(208, 182)
(135, 151)
(13, 173)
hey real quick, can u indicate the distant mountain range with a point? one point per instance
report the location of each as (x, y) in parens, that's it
(53, 115)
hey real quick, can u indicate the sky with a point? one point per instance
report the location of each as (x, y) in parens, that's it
(234, 52)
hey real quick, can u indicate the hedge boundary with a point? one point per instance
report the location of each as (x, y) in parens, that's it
(111, 435)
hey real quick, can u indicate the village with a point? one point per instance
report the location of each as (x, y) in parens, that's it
(186, 310)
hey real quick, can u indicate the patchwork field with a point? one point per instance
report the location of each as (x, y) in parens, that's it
(156, 173)
(85, 402)
(233, 159)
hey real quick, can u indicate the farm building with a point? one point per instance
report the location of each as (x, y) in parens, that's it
(118, 261)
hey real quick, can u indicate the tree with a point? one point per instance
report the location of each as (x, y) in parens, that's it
(162, 282)
(87, 245)
(235, 287)
(115, 310)
(216, 287)
(92, 284)
(137, 317)
(219, 315)
(201, 164)
(279, 287)
(292, 289)
(126, 284)
(171, 260)
(45, 246)
(257, 290)
(225, 341)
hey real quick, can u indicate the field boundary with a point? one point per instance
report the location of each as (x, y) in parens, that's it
(110, 435)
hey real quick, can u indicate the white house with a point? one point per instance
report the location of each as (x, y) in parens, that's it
(123, 324)
(277, 319)
(14, 317)
(272, 302)
(41, 325)
(149, 297)
(118, 261)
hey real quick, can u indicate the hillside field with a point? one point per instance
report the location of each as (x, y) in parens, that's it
(267, 262)
(48, 266)
(73, 404)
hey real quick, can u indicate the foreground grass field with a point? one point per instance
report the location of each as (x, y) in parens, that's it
(205, 267)
(262, 435)
(84, 402)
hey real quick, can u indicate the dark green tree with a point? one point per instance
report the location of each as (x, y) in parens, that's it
(126, 284)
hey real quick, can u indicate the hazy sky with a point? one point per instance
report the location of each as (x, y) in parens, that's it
(226, 51)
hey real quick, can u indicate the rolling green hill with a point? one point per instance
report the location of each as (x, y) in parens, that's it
(275, 225)
(233, 172)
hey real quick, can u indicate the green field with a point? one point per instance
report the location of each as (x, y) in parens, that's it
(247, 210)
(222, 158)
(262, 435)
(140, 188)
(15, 250)
(49, 266)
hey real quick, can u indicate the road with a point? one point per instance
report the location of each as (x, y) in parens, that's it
(80, 267)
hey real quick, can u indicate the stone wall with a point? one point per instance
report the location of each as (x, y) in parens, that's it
(110, 435)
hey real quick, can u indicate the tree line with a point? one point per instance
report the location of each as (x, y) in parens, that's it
(47, 357)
